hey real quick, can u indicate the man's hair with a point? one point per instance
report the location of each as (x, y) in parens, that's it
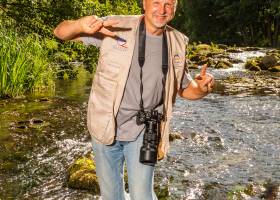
(140, 2)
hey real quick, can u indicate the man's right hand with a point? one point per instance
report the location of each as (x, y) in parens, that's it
(89, 25)
(92, 24)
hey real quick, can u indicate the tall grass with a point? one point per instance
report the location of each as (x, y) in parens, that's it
(24, 64)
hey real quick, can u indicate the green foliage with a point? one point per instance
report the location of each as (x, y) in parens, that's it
(23, 64)
(245, 22)
(40, 17)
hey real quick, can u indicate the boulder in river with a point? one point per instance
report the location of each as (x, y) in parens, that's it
(275, 68)
(267, 62)
(175, 136)
(203, 47)
(223, 64)
(222, 46)
(82, 175)
(252, 65)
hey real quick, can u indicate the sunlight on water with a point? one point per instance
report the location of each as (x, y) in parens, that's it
(246, 55)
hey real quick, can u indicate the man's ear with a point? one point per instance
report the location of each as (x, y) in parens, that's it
(144, 4)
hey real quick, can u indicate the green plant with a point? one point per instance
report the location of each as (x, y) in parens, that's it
(23, 64)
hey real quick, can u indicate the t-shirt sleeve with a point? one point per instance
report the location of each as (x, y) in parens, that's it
(90, 40)
(186, 80)
(95, 39)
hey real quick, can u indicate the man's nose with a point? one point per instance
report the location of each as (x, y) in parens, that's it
(162, 9)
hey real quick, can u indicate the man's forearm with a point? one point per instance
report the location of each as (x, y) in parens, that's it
(192, 92)
(68, 30)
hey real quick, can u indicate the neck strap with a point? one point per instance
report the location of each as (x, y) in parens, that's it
(141, 60)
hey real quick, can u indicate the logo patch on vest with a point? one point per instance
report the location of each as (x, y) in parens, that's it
(121, 44)
(177, 60)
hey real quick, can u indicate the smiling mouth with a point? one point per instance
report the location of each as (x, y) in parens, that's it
(161, 17)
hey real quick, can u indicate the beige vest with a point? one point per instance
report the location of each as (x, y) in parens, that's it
(111, 75)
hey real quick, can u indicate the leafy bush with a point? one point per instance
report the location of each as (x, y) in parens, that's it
(23, 64)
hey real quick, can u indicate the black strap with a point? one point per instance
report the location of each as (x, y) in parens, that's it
(141, 60)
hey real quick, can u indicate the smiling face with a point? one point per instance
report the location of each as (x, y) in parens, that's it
(158, 13)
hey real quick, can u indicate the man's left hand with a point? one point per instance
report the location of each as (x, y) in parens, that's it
(204, 80)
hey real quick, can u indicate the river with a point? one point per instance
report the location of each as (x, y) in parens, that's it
(229, 141)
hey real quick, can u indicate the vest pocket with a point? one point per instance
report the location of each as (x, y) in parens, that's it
(101, 102)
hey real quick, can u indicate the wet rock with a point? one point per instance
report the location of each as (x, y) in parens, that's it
(198, 139)
(175, 136)
(214, 191)
(252, 65)
(235, 60)
(216, 142)
(43, 99)
(234, 50)
(22, 127)
(192, 65)
(254, 84)
(197, 57)
(267, 191)
(274, 69)
(252, 49)
(223, 64)
(274, 54)
(32, 123)
(8, 166)
(267, 62)
(82, 175)
(162, 192)
(203, 47)
(222, 46)
(272, 191)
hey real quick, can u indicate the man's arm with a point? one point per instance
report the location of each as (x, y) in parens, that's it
(88, 25)
(201, 86)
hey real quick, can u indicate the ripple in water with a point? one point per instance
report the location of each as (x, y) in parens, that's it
(229, 140)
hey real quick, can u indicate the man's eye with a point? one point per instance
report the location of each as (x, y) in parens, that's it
(156, 4)
(169, 5)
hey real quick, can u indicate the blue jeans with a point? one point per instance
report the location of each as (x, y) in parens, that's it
(109, 162)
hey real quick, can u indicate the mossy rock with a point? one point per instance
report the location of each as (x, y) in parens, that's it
(252, 65)
(175, 136)
(82, 175)
(204, 47)
(274, 69)
(223, 64)
(268, 62)
(8, 166)
(272, 191)
(197, 57)
(222, 46)
(162, 192)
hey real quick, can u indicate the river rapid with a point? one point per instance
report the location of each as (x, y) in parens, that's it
(228, 142)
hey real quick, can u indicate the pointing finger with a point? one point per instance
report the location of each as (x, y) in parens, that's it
(106, 32)
(107, 23)
(203, 70)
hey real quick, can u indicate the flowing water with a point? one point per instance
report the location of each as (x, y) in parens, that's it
(229, 141)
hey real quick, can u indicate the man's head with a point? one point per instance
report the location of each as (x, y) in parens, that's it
(158, 13)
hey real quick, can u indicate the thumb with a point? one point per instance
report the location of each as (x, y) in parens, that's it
(203, 70)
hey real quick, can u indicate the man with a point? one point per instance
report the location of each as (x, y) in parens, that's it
(126, 82)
